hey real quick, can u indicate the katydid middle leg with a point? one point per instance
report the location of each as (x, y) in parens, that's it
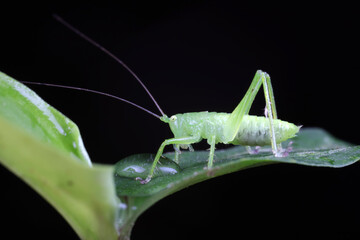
(212, 152)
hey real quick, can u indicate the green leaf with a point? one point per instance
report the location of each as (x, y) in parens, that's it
(44, 148)
(24, 108)
(312, 146)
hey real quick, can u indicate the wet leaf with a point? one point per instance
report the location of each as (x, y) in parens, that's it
(312, 146)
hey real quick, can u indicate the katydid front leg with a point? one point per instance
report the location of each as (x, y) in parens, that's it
(176, 141)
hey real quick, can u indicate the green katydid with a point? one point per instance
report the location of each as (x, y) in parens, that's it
(238, 127)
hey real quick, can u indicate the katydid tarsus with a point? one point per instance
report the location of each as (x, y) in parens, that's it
(237, 128)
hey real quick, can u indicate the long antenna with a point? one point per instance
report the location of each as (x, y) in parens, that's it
(91, 41)
(93, 91)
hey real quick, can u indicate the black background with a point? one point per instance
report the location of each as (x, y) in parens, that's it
(194, 56)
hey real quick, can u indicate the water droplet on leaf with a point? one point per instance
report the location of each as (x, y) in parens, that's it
(139, 165)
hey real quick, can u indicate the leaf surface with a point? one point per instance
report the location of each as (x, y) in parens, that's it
(312, 147)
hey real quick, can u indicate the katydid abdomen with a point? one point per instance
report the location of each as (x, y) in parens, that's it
(253, 131)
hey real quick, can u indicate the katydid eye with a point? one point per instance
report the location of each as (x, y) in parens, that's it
(173, 118)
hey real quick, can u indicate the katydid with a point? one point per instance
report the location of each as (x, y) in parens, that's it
(237, 128)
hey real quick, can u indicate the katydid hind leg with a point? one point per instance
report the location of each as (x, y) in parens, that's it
(232, 125)
(171, 141)
(272, 115)
(270, 106)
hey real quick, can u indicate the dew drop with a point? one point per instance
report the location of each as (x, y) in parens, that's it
(139, 165)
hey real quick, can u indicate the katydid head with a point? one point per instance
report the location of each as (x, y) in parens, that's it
(172, 121)
(176, 124)
(167, 119)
